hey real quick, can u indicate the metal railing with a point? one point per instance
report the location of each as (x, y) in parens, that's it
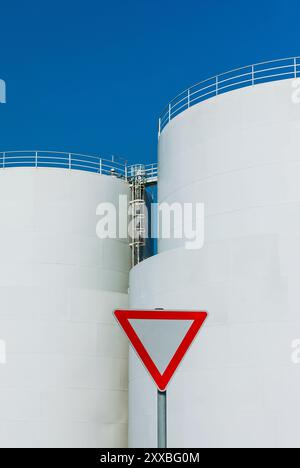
(145, 171)
(251, 75)
(114, 166)
(151, 171)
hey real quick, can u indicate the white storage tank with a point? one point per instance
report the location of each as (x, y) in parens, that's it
(237, 152)
(64, 383)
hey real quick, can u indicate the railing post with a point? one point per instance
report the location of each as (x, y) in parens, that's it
(253, 76)
(70, 161)
(126, 174)
(170, 112)
(4, 160)
(36, 159)
(159, 126)
(217, 85)
(189, 98)
(295, 67)
(100, 166)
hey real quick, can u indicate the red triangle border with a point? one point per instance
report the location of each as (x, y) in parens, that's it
(161, 380)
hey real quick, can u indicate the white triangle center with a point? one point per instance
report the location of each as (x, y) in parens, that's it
(161, 338)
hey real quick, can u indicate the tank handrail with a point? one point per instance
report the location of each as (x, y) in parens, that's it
(114, 166)
(41, 154)
(258, 73)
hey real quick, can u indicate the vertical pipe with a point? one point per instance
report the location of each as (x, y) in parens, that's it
(217, 85)
(161, 419)
(100, 166)
(253, 76)
(170, 111)
(295, 67)
(4, 160)
(70, 161)
(36, 159)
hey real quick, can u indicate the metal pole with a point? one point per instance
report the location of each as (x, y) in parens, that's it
(161, 415)
(161, 419)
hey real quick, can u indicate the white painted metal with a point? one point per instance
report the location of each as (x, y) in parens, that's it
(65, 380)
(250, 75)
(239, 154)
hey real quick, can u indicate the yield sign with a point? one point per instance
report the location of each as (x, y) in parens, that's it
(161, 338)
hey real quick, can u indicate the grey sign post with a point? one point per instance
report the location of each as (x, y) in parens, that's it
(162, 437)
(162, 419)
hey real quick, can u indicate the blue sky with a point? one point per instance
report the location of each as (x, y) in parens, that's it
(93, 76)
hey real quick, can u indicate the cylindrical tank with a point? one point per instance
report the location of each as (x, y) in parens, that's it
(64, 383)
(238, 387)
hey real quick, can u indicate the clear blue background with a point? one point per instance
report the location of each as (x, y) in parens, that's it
(93, 76)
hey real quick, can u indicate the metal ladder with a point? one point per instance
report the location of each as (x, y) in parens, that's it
(137, 213)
